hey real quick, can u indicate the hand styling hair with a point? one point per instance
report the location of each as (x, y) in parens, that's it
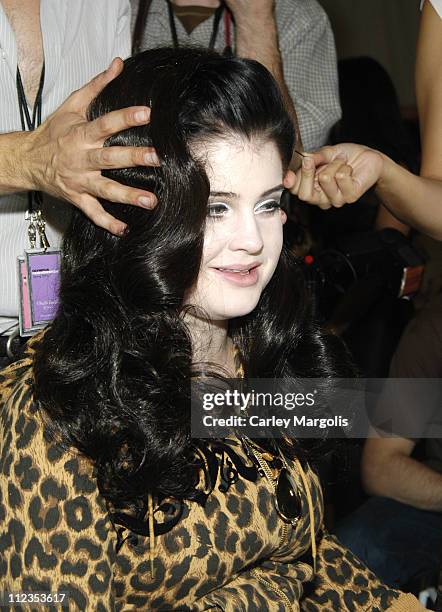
(113, 370)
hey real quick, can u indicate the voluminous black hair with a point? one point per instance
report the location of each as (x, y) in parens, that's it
(112, 371)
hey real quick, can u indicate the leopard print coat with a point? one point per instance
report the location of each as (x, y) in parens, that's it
(233, 554)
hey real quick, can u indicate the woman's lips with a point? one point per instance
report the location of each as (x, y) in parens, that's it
(242, 278)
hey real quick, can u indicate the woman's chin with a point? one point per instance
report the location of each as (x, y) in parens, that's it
(233, 311)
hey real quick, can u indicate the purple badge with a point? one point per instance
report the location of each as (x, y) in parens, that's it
(44, 281)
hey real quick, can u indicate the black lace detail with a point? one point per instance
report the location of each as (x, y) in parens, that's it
(230, 465)
(221, 460)
(138, 523)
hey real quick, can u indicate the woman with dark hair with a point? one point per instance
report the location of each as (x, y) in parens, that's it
(104, 493)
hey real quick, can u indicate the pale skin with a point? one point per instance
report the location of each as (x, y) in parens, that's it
(243, 227)
(334, 176)
(65, 155)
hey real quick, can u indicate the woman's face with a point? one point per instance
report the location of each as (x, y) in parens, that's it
(243, 236)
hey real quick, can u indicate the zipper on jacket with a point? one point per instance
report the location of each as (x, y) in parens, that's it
(269, 585)
(285, 526)
(285, 530)
(269, 475)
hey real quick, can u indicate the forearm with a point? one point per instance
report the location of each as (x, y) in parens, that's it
(406, 480)
(429, 90)
(384, 219)
(414, 200)
(250, 43)
(14, 173)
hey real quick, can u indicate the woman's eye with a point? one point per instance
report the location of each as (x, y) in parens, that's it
(216, 210)
(269, 206)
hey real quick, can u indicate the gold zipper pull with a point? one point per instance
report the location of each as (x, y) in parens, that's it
(267, 456)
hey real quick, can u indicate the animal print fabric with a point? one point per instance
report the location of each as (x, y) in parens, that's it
(234, 554)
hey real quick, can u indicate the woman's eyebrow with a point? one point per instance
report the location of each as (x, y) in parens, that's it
(223, 194)
(272, 190)
(232, 195)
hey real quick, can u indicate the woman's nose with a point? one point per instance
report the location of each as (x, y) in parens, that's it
(247, 235)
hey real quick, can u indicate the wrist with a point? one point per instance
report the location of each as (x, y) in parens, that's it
(13, 162)
(388, 171)
(24, 161)
(256, 23)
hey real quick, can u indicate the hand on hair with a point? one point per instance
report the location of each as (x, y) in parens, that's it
(65, 155)
(337, 175)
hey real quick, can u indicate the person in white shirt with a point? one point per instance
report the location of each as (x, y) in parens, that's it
(293, 39)
(64, 156)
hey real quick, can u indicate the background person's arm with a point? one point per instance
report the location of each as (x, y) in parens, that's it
(341, 174)
(429, 102)
(388, 470)
(415, 200)
(429, 91)
(310, 67)
(64, 156)
(385, 219)
(346, 171)
(257, 39)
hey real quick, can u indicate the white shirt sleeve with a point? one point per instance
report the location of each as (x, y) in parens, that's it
(122, 43)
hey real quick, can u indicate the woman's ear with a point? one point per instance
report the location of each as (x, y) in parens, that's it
(283, 215)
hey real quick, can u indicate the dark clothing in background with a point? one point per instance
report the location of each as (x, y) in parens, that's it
(419, 355)
(398, 541)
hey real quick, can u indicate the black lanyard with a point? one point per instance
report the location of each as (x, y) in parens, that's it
(218, 14)
(28, 123)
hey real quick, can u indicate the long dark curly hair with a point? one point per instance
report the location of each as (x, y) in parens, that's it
(112, 371)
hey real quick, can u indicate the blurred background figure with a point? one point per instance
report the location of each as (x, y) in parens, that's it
(291, 38)
(371, 115)
(358, 270)
(378, 174)
(340, 174)
(397, 532)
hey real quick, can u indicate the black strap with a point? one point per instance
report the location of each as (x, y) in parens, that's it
(140, 24)
(28, 123)
(218, 14)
